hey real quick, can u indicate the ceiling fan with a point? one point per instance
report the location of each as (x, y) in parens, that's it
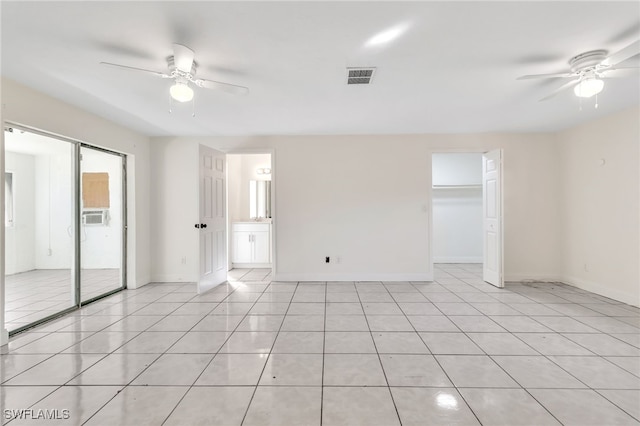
(182, 69)
(587, 70)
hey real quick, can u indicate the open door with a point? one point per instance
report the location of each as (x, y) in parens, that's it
(213, 223)
(492, 217)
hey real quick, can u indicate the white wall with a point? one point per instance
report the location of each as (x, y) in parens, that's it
(461, 168)
(365, 199)
(54, 244)
(174, 248)
(600, 213)
(20, 238)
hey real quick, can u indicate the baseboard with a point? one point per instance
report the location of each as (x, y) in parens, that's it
(578, 283)
(427, 276)
(251, 265)
(532, 277)
(172, 278)
(470, 259)
(597, 288)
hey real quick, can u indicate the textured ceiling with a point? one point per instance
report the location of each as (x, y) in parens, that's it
(451, 69)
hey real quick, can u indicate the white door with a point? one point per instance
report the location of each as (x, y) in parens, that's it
(492, 217)
(213, 224)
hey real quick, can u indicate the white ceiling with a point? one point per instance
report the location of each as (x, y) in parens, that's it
(453, 70)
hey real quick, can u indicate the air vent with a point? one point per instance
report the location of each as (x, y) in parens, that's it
(359, 75)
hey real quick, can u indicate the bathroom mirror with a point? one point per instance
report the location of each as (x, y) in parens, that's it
(259, 199)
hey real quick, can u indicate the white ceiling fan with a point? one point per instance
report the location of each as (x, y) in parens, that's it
(182, 69)
(587, 70)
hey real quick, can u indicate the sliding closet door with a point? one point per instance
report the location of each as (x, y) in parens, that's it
(102, 237)
(39, 182)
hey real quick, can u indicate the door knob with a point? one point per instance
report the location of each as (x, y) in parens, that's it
(203, 225)
(197, 225)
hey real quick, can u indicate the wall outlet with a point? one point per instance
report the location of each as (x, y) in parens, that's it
(338, 259)
(327, 259)
(49, 252)
(184, 260)
(586, 267)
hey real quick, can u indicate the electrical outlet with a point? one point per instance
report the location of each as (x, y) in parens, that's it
(184, 260)
(327, 259)
(338, 259)
(49, 252)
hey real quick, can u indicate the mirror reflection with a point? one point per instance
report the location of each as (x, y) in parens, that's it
(259, 199)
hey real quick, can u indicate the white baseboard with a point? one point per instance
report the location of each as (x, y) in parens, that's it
(251, 265)
(172, 278)
(531, 277)
(580, 283)
(630, 299)
(470, 259)
(427, 276)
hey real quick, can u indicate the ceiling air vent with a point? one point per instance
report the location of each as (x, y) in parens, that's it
(359, 75)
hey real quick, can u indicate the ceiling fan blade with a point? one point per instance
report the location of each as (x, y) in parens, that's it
(560, 89)
(619, 72)
(622, 55)
(183, 57)
(156, 73)
(565, 74)
(225, 87)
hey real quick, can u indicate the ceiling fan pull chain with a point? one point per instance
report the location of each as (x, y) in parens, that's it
(170, 104)
(193, 103)
(596, 106)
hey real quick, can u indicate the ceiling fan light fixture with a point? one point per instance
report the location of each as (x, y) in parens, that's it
(181, 92)
(588, 87)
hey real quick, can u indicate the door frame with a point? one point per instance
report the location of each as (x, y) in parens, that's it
(274, 213)
(478, 150)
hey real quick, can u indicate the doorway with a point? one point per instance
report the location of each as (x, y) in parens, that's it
(467, 214)
(250, 215)
(64, 225)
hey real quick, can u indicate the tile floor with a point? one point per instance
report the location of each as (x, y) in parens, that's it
(33, 295)
(454, 351)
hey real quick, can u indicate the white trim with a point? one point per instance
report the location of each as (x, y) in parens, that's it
(173, 278)
(4, 337)
(470, 259)
(532, 277)
(251, 265)
(428, 276)
(602, 290)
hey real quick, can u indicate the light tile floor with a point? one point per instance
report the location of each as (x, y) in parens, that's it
(454, 351)
(34, 295)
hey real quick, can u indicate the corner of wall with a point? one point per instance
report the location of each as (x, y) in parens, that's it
(4, 337)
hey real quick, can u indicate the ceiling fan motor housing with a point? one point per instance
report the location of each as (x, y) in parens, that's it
(587, 61)
(174, 71)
